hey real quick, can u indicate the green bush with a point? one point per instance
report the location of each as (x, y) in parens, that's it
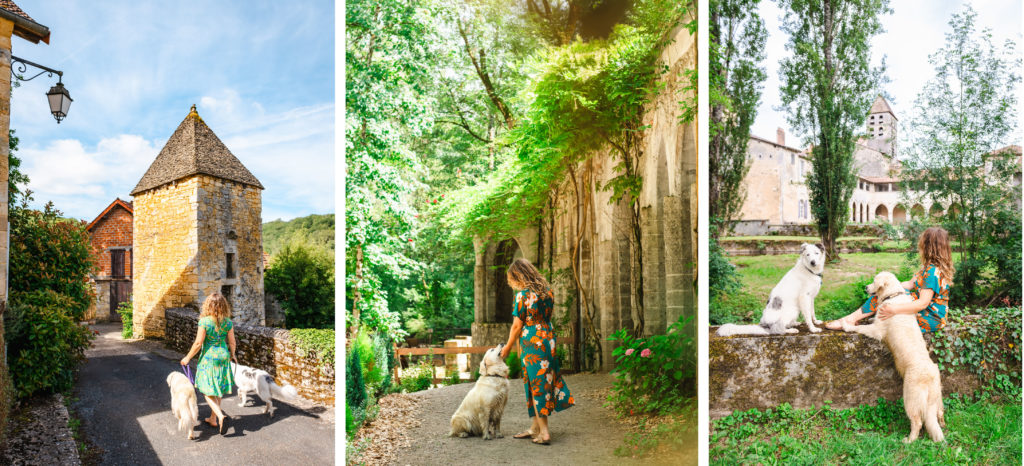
(418, 378)
(722, 275)
(125, 311)
(515, 365)
(654, 374)
(318, 341)
(737, 306)
(45, 343)
(452, 378)
(355, 390)
(303, 282)
(51, 253)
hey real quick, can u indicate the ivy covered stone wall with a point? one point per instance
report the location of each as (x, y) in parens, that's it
(265, 348)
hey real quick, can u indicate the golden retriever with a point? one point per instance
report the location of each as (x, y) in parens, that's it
(481, 410)
(922, 387)
(183, 402)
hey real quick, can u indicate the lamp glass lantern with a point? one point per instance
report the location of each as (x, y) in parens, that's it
(60, 101)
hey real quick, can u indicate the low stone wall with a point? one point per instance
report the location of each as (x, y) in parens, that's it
(807, 370)
(738, 246)
(265, 348)
(487, 334)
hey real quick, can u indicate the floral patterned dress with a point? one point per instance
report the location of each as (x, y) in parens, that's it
(933, 317)
(546, 392)
(213, 374)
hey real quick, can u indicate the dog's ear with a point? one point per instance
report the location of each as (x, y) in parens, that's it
(821, 247)
(802, 247)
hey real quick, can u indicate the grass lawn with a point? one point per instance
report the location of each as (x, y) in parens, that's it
(806, 239)
(977, 432)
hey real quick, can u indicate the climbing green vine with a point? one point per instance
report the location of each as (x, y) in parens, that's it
(314, 341)
(988, 346)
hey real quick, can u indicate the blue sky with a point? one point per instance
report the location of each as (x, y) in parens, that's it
(915, 29)
(260, 72)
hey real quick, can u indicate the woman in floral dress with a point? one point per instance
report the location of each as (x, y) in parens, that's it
(546, 392)
(216, 338)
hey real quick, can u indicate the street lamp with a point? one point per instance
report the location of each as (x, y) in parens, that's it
(58, 96)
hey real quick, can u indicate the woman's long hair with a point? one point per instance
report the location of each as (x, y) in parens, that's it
(217, 307)
(522, 275)
(934, 250)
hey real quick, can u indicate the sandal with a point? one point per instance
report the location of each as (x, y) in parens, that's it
(538, 441)
(524, 434)
(223, 424)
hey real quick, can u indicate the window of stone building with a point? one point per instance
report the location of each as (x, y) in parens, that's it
(117, 263)
(227, 291)
(229, 263)
(792, 159)
(801, 168)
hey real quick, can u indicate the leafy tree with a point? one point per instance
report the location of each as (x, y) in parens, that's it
(45, 342)
(303, 282)
(15, 177)
(735, 81)
(964, 115)
(388, 59)
(828, 84)
(49, 252)
(316, 231)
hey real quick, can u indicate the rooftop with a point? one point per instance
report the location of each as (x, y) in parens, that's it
(194, 149)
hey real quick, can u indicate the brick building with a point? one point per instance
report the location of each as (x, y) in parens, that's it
(197, 230)
(111, 237)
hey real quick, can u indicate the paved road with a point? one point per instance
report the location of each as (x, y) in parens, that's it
(125, 406)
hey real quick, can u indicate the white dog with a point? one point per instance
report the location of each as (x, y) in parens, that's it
(183, 402)
(259, 382)
(481, 410)
(922, 386)
(793, 296)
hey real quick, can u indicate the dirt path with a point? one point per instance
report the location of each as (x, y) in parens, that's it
(587, 433)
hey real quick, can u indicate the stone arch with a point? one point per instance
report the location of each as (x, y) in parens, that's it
(954, 209)
(936, 211)
(882, 212)
(505, 252)
(917, 212)
(899, 214)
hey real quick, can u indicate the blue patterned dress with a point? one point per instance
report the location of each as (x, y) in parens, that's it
(546, 392)
(933, 317)
(213, 374)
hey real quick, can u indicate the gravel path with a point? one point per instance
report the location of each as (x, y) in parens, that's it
(587, 433)
(38, 433)
(125, 407)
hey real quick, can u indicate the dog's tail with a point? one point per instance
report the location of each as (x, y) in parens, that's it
(733, 329)
(286, 392)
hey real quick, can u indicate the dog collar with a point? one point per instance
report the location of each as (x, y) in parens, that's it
(813, 272)
(498, 376)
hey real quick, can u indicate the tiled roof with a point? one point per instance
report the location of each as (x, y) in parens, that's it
(881, 106)
(117, 202)
(9, 5)
(194, 149)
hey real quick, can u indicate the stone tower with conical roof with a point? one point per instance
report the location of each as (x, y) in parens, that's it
(197, 230)
(882, 124)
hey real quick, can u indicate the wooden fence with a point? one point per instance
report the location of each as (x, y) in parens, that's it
(399, 352)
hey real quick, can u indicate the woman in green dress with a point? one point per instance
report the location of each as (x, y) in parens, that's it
(546, 392)
(216, 338)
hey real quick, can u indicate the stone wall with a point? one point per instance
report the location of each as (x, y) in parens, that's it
(265, 348)
(807, 370)
(182, 233)
(6, 387)
(667, 223)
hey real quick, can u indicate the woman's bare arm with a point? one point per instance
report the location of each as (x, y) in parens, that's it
(886, 311)
(231, 344)
(196, 346)
(513, 336)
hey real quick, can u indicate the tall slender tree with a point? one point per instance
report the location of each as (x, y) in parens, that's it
(964, 116)
(736, 48)
(828, 84)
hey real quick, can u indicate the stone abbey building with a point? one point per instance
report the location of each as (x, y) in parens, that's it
(197, 230)
(668, 231)
(777, 193)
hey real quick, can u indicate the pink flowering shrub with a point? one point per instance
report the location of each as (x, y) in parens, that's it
(658, 379)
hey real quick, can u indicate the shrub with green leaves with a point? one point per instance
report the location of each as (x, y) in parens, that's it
(302, 280)
(515, 365)
(125, 311)
(49, 252)
(418, 378)
(654, 374)
(45, 343)
(355, 390)
(988, 346)
(318, 341)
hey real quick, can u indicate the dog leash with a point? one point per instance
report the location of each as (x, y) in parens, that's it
(188, 373)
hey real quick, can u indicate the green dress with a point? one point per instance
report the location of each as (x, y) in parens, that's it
(213, 375)
(546, 392)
